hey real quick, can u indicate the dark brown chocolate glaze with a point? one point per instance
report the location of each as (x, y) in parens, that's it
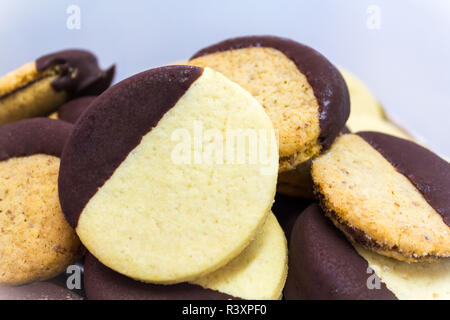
(33, 136)
(72, 110)
(112, 127)
(329, 87)
(80, 72)
(429, 173)
(102, 283)
(323, 265)
(46, 290)
(287, 209)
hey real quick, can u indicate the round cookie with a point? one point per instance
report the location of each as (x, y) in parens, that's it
(46, 290)
(36, 242)
(304, 95)
(370, 123)
(366, 113)
(362, 101)
(287, 209)
(40, 87)
(145, 197)
(323, 265)
(72, 110)
(388, 194)
(259, 272)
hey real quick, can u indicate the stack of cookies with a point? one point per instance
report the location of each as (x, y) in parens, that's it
(184, 182)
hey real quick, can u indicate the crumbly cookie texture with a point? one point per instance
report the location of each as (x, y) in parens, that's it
(284, 92)
(375, 205)
(36, 242)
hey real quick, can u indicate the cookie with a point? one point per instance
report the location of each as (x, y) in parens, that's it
(317, 247)
(304, 95)
(72, 110)
(259, 272)
(145, 197)
(370, 123)
(36, 242)
(362, 101)
(287, 209)
(46, 290)
(40, 87)
(323, 265)
(388, 194)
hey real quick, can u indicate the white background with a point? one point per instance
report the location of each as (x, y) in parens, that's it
(406, 62)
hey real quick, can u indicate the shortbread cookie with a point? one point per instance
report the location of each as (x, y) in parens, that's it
(146, 198)
(287, 209)
(72, 110)
(366, 113)
(259, 272)
(370, 123)
(36, 242)
(323, 265)
(304, 95)
(362, 101)
(40, 87)
(387, 194)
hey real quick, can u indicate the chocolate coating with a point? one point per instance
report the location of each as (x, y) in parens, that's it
(80, 72)
(112, 127)
(287, 209)
(47, 290)
(33, 136)
(73, 109)
(429, 173)
(329, 87)
(102, 283)
(323, 265)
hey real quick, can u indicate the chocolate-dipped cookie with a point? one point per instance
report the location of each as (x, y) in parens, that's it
(323, 265)
(72, 110)
(40, 87)
(146, 198)
(304, 95)
(259, 272)
(388, 194)
(36, 242)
